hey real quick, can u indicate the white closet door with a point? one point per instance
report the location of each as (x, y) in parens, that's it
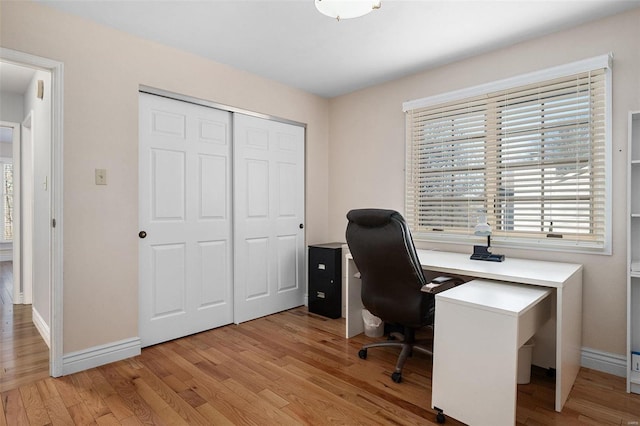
(185, 259)
(268, 217)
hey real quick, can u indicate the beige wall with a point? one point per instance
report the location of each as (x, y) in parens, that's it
(367, 150)
(356, 161)
(103, 69)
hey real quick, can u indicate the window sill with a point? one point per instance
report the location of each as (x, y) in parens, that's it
(520, 244)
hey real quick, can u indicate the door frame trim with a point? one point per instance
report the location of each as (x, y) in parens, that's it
(19, 295)
(56, 69)
(190, 99)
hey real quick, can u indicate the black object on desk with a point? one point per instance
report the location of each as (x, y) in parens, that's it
(483, 253)
(325, 279)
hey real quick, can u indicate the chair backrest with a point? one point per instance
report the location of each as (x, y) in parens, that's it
(383, 250)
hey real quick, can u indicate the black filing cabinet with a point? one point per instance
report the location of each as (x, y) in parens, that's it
(325, 279)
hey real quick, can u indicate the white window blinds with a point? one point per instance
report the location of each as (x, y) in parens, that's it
(531, 157)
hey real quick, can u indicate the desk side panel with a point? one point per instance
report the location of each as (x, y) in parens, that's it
(354, 322)
(569, 329)
(544, 350)
(474, 364)
(345, 260)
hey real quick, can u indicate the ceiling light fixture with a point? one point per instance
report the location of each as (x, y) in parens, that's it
(346, 9)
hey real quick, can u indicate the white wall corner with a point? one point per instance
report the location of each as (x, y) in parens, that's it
(41, 326)
(604, 361)
(100, 355)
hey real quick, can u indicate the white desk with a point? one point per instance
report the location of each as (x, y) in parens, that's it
(479, 328)
(559, 342)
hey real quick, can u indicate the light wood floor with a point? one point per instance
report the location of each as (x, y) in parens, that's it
(284, 369)
(24, 356)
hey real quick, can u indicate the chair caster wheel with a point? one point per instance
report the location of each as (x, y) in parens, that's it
(362, 353)
(396, 377)
(440, 418)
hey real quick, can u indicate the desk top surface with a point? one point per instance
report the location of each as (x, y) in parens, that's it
(505, 298)
(524, 271)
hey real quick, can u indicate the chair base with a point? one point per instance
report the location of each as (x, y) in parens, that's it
(407, 346)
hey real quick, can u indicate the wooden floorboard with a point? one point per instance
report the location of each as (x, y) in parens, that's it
(24, 356)
(291, 368)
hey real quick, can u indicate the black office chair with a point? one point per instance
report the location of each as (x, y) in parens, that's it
(392, 278)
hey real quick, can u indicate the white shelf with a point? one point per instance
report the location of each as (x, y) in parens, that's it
(633, 246)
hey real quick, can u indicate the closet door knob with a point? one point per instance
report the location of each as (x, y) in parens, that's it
(142, 234)
(301, 226)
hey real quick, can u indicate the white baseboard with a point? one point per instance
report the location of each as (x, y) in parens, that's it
(41, 326)
(604, 361)
(100, 355)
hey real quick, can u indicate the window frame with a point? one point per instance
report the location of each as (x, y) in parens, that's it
(587, 65)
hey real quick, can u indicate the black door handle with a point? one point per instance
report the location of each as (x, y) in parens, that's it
(142, 234)
(301, 226)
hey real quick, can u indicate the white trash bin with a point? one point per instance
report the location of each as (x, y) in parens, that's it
(373, 326)
(524, 362)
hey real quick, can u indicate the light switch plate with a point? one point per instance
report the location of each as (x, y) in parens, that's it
(101, 176)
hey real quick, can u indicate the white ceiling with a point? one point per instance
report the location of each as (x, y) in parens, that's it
(291, 42)
(15, 79)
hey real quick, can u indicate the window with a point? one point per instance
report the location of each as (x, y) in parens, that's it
(530, 153)
(7, 200)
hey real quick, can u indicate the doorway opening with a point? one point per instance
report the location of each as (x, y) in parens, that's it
(34, 271)
(25, 351)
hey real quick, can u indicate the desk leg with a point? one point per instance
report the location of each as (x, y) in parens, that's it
(354, 322)
(568, 337)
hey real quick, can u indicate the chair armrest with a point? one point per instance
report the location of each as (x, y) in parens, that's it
(440, 284)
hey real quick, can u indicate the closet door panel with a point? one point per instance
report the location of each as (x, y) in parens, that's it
(185, 256)
(269, 208)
